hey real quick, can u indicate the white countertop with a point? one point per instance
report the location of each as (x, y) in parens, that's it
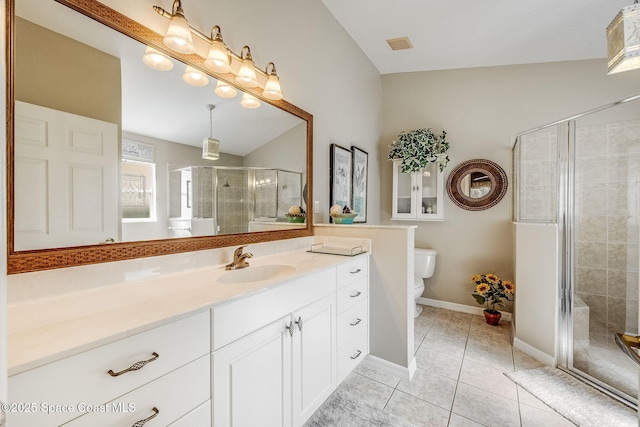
(48, 329)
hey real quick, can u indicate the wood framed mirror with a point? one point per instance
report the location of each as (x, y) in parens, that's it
(477, 184)
(85, 23)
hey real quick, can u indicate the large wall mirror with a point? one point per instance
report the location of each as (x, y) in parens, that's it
(105, 154)
(477, 184)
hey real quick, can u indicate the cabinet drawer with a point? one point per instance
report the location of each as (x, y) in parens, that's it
(353, 270)
(351, 355)
(84, 377)
(201, 416)
(174, 395)
(237, 319)
(353, 321)
(352, 294)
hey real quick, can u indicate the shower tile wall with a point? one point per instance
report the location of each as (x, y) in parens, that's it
(266, 193)
(233, 201)
(537, 175)
(202, 183)
(606, 207)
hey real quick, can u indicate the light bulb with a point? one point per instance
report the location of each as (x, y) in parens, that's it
(156, 60)
(224, 90)
(195, 77)
(249, 101)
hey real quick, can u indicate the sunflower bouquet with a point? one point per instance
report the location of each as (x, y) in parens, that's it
(491, 291)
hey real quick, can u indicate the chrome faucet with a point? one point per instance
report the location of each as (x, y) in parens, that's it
(239, 259)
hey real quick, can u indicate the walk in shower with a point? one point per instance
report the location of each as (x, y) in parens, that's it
(583, 174)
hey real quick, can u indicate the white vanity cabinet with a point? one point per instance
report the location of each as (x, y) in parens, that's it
(353, 315)
(174, 356)
(280, 373)
(418, 196)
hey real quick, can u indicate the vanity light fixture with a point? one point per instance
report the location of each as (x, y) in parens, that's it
(272, 87)
(218, 58)
(195, 77)
(157, 60)
(225, 90)
(623, 40)
(210, 146)
(247, 73)
(249, 101)
(178, 35)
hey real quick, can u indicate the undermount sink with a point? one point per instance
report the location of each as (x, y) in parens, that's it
(257, 274)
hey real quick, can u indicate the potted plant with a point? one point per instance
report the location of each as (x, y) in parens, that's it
(419, 147)
(491, 291)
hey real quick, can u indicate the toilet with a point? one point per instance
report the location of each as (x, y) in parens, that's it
(423, 266)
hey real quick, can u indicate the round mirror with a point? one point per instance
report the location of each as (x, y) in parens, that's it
(477, 184)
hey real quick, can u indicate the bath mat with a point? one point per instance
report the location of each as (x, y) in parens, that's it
(343, 409)
(578, 402)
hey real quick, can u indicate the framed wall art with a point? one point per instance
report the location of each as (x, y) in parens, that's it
(339, 176)
(359, 183)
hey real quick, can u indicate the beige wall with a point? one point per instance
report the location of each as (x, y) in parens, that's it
(482, 110)
(49, 66)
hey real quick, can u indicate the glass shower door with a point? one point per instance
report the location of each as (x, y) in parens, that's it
(603, 230)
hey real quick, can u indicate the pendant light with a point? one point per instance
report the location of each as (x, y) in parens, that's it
(178, 35)
(218, 58)
(247, 72)
(272, 87)
(623, 40)
(210, 146)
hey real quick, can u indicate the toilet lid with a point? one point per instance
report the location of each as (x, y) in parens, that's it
(425, 251)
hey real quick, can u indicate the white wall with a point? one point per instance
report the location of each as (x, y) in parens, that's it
(482, 110)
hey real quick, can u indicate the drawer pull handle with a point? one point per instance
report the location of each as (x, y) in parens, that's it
(356, 295)
(358, 353)
(135, 366)
(290, 328)
(356, 271)
(299, 323)
(143, 422)
(355, 322)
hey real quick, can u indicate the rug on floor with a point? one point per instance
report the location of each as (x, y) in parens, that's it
(578, 402)
(343, 409)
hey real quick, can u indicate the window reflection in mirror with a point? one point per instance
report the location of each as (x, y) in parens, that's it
(475, 185)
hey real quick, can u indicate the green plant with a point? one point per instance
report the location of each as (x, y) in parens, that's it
(491, 291)
(419, 147)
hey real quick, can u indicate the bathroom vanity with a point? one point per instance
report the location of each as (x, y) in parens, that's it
(265, 345)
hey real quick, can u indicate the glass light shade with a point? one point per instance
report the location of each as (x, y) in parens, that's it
(178, 36)
(210, 149)
(623, 40)
(247, 74)
(249, 101)
(218, 58)
(224, 90)
(195, 77)
(272, 88)
(157, 60)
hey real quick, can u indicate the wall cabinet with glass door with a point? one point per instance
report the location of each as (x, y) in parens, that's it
(418, 196)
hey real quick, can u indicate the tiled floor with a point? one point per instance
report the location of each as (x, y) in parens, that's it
(459, 380)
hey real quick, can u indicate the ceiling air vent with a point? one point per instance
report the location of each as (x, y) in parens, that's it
(400, 43)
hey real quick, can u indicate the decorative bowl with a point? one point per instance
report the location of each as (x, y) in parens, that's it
(344, 218)
(299, 218)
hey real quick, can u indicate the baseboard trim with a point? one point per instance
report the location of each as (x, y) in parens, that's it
(534, 352)
(458, 307)
(390, 368)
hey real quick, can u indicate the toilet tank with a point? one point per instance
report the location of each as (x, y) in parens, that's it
(425, 262)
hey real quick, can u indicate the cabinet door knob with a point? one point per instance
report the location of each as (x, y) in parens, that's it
(355, 356)
(299, 323)
(135, 366)
(143, 422)
(290, 328)
(356, 295)
(356, 322)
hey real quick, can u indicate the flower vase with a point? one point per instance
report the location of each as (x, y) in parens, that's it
(492, 317)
